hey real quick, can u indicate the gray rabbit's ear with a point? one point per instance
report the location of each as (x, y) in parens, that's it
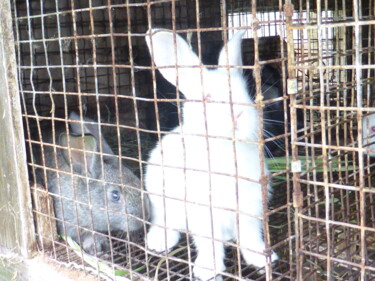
(92, 129)
(76, 128)
(232, 55)
(77, 145)
(169, 50)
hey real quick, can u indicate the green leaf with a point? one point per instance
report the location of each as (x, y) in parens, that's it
(100, 265)
(278, 164)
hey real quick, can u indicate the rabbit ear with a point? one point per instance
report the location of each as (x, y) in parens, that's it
(92, 129)
(234, 55)
(79, 143)
(165, 53)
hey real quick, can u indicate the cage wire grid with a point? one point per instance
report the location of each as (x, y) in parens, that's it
(91, 57)
(335, 216)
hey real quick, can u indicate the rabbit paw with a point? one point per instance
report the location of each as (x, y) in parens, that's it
(204, 268)
(258, 260)
(158, 242)
(100, 243)
(204, 274)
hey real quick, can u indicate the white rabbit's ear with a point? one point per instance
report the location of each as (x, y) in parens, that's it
(234, 57)
(166, 53)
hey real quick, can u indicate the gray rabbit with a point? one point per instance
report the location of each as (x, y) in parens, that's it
(97, 202)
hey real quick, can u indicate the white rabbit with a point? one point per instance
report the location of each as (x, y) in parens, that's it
(204, 177)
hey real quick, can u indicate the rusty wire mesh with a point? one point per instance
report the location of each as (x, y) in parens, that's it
(91, 57)
(334, 58)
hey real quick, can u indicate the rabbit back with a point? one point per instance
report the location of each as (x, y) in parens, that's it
(184, 164)
(204, 177)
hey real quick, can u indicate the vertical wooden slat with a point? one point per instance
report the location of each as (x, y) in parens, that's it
(16, 222)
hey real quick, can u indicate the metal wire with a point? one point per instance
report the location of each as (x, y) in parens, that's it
(91, 57)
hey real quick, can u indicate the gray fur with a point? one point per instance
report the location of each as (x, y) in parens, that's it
(75, 193)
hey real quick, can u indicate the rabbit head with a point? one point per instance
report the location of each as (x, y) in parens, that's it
(101, 194)
(112, 188)
(217, 101)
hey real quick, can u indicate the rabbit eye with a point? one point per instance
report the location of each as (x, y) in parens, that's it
(115, 195)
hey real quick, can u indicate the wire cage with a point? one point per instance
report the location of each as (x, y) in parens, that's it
(98, 101)
(335, 75)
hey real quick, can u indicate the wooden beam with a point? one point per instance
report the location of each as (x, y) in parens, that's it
(16, 221)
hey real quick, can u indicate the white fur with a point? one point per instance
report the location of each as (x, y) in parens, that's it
(368, 132)
(191, 177)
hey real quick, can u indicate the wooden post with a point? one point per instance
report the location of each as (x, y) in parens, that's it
(16, 220)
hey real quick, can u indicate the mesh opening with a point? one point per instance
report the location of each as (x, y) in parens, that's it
(309, 74)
